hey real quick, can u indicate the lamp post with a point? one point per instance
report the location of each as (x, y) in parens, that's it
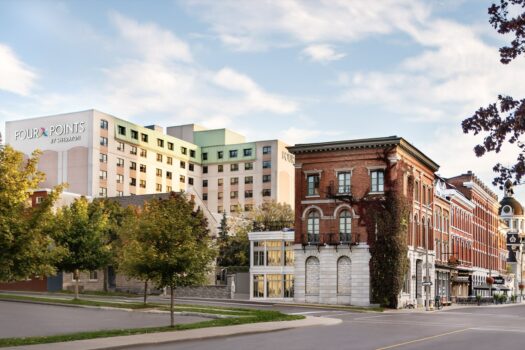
(428, 279)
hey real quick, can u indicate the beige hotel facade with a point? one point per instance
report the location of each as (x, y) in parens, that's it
(100, 155)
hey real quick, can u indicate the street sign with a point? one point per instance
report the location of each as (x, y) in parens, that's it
(427, 283)
(499, 280)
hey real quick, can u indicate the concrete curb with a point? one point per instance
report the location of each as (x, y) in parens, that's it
(121, 342)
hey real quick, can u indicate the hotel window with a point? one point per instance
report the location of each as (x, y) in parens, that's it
(104, 141)
(234, 167)
(160, 143)
(220, 182)
(169, 160)
(267, 178)
(267, 192)
(170, 146)
(267, 149)
(219, 209)
(234, 208)
(182, 164)
(183, 150)
(234, 181)
(169, 175)
(234, 194)
(204, 183)
(134, 134)
(258, 286)
(377, 178)
(133, 150)
(143, 168)
(103, 124)
(158, 187)
(248, 194)
(191, 167)
(102, 192)
(192, 153)
(133, 166)
(143, 183)
(247, 152)
(144, 137)
(159, 157)
(103, 175)
(190, 180)
(219, 195)
(39, 200)
(248, 180)
(220, 168)
(169, 188)
(182, 179)
(205, 156)
(233, 153)
(248, 166)
(267, 164)
(220, 154)
(343, 182)
(120, 146)
(248, 207)
(93, 275)
(205, 169)
(120, 179)
(121, 130)
(132, 181)
(159, 172)
(143, 153)
(120, 194)
(313, 185)
(204, 196)
(103, 158)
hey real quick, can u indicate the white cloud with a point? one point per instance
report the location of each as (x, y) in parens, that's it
(15, 75)
(247, 25)
(322, 53)
(151, 41)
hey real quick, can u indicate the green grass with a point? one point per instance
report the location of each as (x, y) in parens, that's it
(244, 316)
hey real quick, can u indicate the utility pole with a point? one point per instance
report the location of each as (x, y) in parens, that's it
(428, 279)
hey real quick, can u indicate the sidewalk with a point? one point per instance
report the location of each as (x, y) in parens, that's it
(454, 307)
(169, 337)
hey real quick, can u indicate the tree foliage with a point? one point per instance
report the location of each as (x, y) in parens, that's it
(504, 120)
(172, 239)
(81, 230)
(26, 249)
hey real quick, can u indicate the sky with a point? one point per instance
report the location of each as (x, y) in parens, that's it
(297, 70)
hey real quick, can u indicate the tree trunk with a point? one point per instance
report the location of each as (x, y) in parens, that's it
(77, 277)
(172, 320)
(145, 292)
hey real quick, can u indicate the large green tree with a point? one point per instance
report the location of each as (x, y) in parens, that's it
(81, 230)
(173, 237)
(504, 120)
(26, 249)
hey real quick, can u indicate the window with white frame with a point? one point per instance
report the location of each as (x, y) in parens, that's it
(312, 226)
(312, 185)
(377, 179)
(343, 182)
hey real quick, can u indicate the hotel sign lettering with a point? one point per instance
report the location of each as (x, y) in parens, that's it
(58, 133)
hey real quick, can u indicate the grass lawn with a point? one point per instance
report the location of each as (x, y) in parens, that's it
(243, 316)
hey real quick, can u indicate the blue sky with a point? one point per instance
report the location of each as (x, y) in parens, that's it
(301, 71)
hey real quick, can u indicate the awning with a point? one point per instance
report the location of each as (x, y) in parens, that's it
(494, 287)
(460, 279)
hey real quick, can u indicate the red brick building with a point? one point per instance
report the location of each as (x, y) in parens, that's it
(488, 253)
(331, 247)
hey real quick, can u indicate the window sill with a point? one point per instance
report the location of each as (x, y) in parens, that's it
(377, 192)
(313, 196)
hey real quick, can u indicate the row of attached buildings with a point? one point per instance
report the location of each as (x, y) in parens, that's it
(457, 229)
(455, 235)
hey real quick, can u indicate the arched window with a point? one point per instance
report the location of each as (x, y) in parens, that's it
(345, 226)
(312, 276)
(313, 226)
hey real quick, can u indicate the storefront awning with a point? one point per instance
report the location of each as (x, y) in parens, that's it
(460, 279)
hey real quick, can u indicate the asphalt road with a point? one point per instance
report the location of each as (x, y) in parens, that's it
(24, 320)
(461, 329)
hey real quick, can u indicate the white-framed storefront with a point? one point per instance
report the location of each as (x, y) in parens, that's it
(271, 265)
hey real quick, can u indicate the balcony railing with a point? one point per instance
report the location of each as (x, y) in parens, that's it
(273, 226)
(328, 238)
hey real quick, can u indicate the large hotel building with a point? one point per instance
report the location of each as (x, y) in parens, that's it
(99, 155)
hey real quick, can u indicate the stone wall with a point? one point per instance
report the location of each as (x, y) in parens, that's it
(215, 292)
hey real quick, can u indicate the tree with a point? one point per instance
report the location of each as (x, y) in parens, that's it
(81, 230)
(26, 249)
(177, 234)
(272, 216)
(503, 120)
(137, 253)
